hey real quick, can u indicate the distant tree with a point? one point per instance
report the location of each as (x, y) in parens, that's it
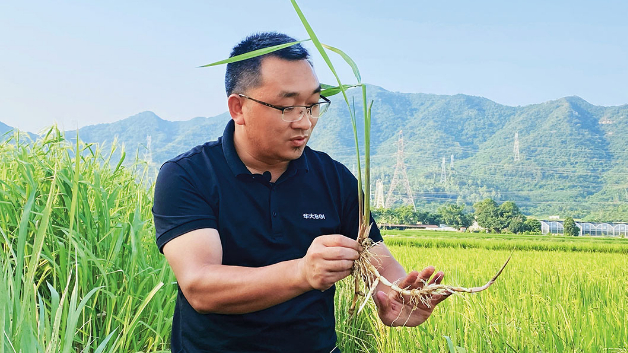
(378, 215)
(571, 228)
(406, 215)
(487, 216)
(453, 215)
(516, 224)
(532, 225)
(425, 217)
(385, 215)
(508, 210)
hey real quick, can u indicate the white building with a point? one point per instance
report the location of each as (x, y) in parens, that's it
(587, 228)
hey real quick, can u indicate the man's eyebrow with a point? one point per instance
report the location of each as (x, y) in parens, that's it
(286, 94)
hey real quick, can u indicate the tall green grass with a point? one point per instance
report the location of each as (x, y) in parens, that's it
(79, 270)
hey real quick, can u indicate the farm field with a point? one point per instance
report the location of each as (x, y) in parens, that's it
(545, 301)
(79, 272)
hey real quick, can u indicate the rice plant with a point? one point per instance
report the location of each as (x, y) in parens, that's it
(79, 268)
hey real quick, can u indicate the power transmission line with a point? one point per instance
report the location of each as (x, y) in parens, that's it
(400, 172)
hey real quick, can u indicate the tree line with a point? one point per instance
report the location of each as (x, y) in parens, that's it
(504, 218)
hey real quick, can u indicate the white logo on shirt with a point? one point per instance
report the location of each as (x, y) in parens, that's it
(313, 216)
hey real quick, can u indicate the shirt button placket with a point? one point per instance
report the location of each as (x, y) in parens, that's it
(274, 220)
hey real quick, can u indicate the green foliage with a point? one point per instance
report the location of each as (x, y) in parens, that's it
(511, 217)
(407, 215)
(570, 227)
(532, 225)
(404, 215)
(254, 53)
(79, 268)
(487, 215)
(504, 218)
(454, 215)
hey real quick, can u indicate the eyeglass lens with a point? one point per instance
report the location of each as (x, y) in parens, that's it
(296, 113)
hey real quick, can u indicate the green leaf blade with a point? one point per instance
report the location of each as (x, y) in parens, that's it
(348, 60)
(254, 53)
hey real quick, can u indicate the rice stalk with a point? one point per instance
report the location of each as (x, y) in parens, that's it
(363, 267)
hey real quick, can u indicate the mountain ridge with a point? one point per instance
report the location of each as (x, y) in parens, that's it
(572, 154)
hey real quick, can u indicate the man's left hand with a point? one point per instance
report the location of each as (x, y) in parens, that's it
(397, 310)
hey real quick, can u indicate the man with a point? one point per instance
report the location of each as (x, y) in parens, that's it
(257, 227)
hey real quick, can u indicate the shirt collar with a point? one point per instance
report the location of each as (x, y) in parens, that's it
(237, 166)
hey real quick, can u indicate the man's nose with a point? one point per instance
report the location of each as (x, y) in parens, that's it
(305, 123)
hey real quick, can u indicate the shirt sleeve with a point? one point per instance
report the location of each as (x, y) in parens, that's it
(349, 188)
(178, 206)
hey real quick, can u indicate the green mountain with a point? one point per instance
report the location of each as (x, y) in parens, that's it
(571, 161)
(571, 153)
(167, 138)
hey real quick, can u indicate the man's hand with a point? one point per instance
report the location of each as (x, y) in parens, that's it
(328, 260)
(395, 310)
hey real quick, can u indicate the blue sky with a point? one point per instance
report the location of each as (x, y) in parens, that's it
(86, 62)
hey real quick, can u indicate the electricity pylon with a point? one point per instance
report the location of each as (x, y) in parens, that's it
(379, 193)
(443, 173)
(400, 173)
(516, 148)
(148, 155)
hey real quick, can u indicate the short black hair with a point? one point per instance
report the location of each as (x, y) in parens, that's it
(245, 74)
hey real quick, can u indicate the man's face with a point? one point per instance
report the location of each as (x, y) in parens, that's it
(284, 83)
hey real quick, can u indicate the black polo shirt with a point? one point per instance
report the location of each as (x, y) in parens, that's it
(260, 223)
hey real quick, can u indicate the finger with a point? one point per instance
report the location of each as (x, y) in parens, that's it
(439, 298)
(339, 266)
(337, 276)
(422, 278)
(437, 278)
(426, 273)
(339, 240)
(330, 278)
(340, 253)
(418, 283)
(408, 280)
(382, 301)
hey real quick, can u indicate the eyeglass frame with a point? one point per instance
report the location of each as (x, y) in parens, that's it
(308, 108)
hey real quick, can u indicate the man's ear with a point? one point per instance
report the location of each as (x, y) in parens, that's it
(235, 109)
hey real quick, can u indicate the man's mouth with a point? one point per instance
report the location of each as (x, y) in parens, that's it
(298, 141)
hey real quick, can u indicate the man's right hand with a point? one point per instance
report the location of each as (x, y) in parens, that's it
(328, 260)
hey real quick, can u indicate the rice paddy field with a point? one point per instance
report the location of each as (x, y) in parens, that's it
(556, 295)
(79, 271)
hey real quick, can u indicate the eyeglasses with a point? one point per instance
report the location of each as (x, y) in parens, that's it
(296, 112)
